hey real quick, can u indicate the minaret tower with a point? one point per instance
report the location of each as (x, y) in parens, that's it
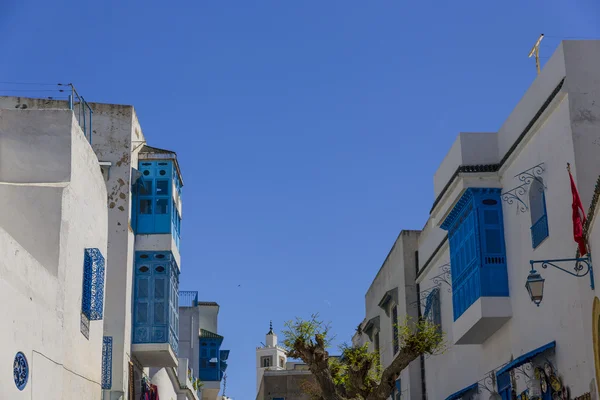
(270, 356)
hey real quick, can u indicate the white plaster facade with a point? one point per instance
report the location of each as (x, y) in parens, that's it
(116, 141)
(54, 201)
(556, 122)
(192, 321)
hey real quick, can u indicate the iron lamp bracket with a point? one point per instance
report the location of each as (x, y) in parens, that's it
(583, 266)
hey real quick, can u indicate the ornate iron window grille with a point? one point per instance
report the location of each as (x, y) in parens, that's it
(514, 195)
(107, 344)
(92, 301)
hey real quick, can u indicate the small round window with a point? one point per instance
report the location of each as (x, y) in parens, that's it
(162, 172)
(161, 256)
(490, 202)
(144, 256)
(160, 268)
(144, 269)
(146, 172)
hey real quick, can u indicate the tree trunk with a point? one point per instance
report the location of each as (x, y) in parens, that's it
(388, 377)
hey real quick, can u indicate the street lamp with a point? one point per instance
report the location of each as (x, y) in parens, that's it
(535, 286)
(535, 282)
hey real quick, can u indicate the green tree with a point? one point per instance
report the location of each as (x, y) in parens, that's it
(357, 374)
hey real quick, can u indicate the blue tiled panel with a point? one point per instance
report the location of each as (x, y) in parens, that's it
(477, 251)
(107, 343)
(92, 299)
(156, 296)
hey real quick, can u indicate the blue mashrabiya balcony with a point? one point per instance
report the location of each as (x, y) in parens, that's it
(213, 360)
(155, 309)
(157, 194)
(478, 265)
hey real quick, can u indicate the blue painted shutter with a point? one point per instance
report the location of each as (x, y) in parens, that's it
(464, 260)
(494, 279)
(504, 386)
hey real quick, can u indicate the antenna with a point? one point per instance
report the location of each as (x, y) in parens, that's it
(535, 50)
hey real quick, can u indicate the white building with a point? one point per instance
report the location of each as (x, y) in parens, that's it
(390, 300)
(200, 343)
(53, 238)
(142, 189)
(501, 200)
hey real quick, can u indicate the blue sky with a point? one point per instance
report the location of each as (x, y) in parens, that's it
(308, 132)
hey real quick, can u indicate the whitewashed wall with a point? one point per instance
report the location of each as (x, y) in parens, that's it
(52, 186)
(116, 140)
(398, 271)
(566, 310)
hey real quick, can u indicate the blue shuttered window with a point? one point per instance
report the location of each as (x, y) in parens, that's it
(156, 210)
(107, 344)
(92, 300)
(537, 209)
(433, 308)
(156, 294)
(477, 250)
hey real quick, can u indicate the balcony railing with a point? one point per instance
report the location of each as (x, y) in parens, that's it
(83, 112)
(188, 298)
(539, 231)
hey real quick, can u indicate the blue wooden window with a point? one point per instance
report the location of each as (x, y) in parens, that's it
(477, 251)
(537, 210)
(156, 210)
(504, 386)
(432, 308)
(156, 296)
(107, 344)
(395, 342)
(210, 359)
(92, 299)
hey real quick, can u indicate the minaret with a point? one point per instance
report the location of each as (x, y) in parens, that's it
(270, 356)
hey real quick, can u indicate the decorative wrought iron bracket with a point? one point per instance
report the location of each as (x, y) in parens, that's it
(532, 173)
(444, 277)
(583, 266)
(515, 195)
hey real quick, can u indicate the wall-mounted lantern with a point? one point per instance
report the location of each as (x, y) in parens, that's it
(535, 282)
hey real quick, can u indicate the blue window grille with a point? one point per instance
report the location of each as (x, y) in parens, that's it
(432, 308)
(156, 299)
(107, 344)
(537, 209)
(477, 250)
(155, 207)
(92, 300)
(395, 342)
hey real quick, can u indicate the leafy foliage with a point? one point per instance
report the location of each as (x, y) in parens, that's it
(357, 373)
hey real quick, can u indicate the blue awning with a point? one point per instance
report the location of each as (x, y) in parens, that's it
(517, 362)
(459, 394)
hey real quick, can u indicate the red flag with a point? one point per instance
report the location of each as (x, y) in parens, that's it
(578, 217)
